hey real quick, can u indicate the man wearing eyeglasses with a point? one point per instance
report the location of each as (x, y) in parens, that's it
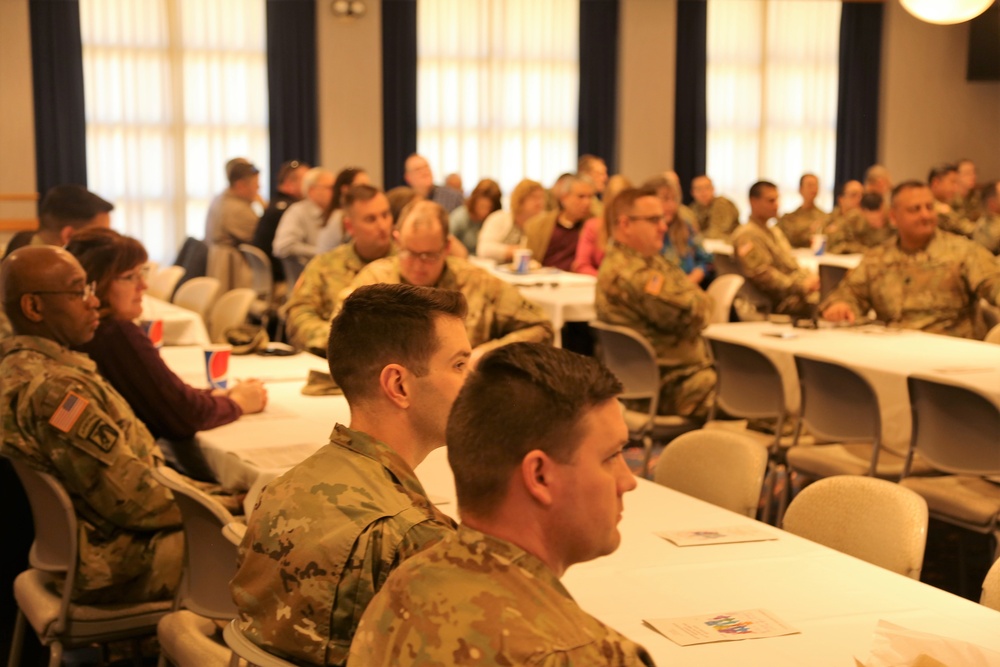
(61, 417)
(639, 289)
(498, 314)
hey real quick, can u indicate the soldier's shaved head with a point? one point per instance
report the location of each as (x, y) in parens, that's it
(33, 268)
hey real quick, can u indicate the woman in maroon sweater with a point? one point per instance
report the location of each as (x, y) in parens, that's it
(127, 358)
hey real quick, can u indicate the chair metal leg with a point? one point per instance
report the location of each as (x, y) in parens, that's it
(17, 641)
(55, 654)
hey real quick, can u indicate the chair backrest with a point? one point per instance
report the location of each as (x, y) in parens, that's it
(260, 267)
(632, 359)
(209, 558)
(990, 313)
(830, 276)
(991, 587)
(293, 269)
(868, 518)
(229, 311)
(163, 283)
(837, 403)
(194, 258)
(723, 290)
(954, 428)
(749, 383)
(246, 649)
(993, 335)
(720, 467)
(55, 545)
(198, 294)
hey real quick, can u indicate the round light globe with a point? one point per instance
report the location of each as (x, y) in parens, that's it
(946, 12)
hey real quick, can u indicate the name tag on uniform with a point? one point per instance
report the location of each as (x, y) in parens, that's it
(68, 412)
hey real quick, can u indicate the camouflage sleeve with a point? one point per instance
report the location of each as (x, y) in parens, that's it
(723, 219)
(669, 301)
(515, 318)
(982, 273)
(951, 221)
(797, 229)
(95, 462)
(987, 234)
(842, 237)
(310, 309)
(854, 290)
(6, 330)
(755, 265)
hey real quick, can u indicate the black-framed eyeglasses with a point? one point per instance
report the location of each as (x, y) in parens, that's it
(88, 291)
(426, 257)
(653, 219)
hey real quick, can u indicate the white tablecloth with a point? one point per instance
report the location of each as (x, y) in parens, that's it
(180, 325)
(565, 297)
(883, 357)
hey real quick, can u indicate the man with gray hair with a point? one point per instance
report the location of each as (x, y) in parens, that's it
(295, 239)
(552, 236)
(420, 177)
(498, 314)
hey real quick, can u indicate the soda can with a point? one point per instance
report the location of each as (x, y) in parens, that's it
(818, 244)
(217, 365)
(154, 331)
(522, 260)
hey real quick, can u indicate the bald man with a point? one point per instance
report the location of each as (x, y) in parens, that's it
(61, 417)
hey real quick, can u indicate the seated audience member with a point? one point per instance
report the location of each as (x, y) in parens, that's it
(333, 234)
(454, 181)
(848, 197)
(466, 220)
(594, 171)
(967, 203)
(288, 192)
(924, 279)
(682, 244)
(639, 289)
(718, 217)
(231, 221)
(987, 231)
(861, 230)
(808, 219)
(943, 183)
(503, 231)
(298, 231)
(498, 314)
(61, 417)
(593, 243)
(420, 177)
(552, 236)
(535, 441)
(127, 358)
(325, 535)
(877, 180)
(368, 220)
(766, 261)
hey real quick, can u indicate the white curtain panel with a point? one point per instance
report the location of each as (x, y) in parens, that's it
(173, 90)
(772, 96)
(497, 88)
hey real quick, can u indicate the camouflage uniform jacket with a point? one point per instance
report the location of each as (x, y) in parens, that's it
(655, 298)
(766, 261)
(61, 417)
(853, 234)
(498, 314)
(322, 540)
(717, 220)
(934, 290)
(952, 221)
(988, 232)
(311, 306)
(474, 599)
(799, 225)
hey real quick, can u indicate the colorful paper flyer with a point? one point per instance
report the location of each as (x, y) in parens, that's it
(694, 538)
(724, 627)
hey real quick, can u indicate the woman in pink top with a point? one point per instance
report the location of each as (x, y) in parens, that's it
(594, 237)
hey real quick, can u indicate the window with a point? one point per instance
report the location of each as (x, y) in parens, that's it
(772, 96)
(173, 90)
(497, 88)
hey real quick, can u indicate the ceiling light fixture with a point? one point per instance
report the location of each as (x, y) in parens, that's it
(946, 12)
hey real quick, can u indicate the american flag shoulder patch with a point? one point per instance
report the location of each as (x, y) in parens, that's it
(68, 412)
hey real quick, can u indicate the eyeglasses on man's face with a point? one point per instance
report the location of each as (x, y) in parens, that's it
(426, 257)
(89, 290)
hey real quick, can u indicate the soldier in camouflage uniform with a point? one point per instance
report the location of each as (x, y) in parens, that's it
(325, 535)
(717, 216)
(926, 279)
(987, 231)
(490, 594)
(61, 417)
(498, 314)
(968, 201)
(765, 258)
(861, 230)
(943, 183)
(368, 218)
(800, 225)
(638, 288)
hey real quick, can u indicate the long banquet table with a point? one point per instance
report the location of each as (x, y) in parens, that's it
(834, 600)
(884, 357)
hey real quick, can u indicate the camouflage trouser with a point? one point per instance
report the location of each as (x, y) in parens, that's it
(688, 391)
(158, 582)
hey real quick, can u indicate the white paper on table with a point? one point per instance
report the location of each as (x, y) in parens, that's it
(732, 535)
(896, 646)
(727, 626)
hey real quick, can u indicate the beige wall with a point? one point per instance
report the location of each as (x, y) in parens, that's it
(350, 89)
(17, 123)
(929, 113)
(646, 87)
